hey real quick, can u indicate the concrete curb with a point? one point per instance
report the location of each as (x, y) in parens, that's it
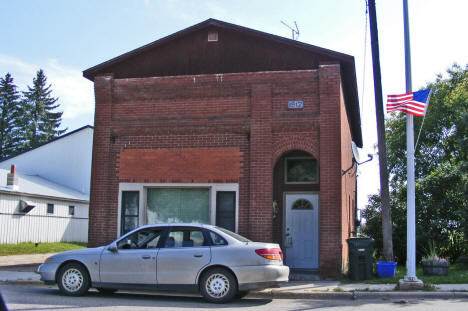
(357, 295)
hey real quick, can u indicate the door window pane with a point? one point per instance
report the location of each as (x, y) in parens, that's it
(185, 237)
(301, 170)
(226, 209)
(178, 205)
(129, 212)
(145, 238)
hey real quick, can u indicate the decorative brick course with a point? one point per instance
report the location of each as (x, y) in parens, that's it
(184, 165)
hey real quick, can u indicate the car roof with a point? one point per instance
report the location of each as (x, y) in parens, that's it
(177, 224)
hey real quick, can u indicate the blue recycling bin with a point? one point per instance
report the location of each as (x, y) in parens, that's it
(386, 269)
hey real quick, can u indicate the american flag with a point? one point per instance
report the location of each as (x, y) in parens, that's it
(414, 103)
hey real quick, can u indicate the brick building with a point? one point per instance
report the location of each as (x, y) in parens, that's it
(226, 125)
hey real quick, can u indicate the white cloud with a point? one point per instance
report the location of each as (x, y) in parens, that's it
(75, 93)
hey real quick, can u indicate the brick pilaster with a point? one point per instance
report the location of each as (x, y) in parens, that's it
(330, 170)
(99, 218)
(261, 183)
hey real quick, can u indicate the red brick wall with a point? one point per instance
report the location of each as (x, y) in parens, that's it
(348, 185)
(243, 117)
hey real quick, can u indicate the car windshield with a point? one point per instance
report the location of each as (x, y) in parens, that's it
(233, 235)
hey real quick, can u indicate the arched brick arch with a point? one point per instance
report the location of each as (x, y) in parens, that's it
(296, 142)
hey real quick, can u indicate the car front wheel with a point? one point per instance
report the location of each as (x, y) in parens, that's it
(218, 285)
(73, 279)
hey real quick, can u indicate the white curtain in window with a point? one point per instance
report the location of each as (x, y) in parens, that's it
(178, 205)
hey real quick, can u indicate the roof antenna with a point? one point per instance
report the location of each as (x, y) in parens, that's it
(294, 32)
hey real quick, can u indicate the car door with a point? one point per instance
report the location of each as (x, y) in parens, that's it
(185, 253)
(134, 261)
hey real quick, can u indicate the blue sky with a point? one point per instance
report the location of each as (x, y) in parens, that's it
(66, 37)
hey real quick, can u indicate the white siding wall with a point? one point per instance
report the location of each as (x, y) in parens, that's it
(37, 225)
(66, 161)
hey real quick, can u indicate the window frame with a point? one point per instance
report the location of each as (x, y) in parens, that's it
(142, 188)
(123, 215)
(317, 178)
(50, 208)
(71, 210)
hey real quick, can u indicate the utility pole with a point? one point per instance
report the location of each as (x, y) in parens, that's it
(384, 192)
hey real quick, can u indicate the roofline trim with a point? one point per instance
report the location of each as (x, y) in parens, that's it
(90, 72)
(42, 196)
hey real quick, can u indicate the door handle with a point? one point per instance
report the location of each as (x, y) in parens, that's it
(146, 257)
(198, 255)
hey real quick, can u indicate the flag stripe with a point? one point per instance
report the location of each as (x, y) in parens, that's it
(413, 103)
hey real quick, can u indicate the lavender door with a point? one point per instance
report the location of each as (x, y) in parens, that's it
(301, 231)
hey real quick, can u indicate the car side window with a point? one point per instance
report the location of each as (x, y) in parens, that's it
(145, 238)
(185, 237)
(217, 240)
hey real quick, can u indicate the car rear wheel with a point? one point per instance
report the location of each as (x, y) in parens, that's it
(218, 285)
(73, 279)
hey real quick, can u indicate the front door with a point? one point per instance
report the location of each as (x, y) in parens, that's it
(301, 231)
(134, 262)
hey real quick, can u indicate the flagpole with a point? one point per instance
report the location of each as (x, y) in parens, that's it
(410, 197)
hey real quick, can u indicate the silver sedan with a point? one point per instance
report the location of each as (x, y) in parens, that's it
(216, 262)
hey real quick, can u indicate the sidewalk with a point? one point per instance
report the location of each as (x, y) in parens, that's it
(18, 260)
(20, 268)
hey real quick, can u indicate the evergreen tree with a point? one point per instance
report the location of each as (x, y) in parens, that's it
(39, 120)
(9, 105)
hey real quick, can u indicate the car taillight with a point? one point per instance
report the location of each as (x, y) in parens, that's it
(270, 253)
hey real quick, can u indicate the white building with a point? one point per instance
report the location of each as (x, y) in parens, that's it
(65, 160)
(44, 191)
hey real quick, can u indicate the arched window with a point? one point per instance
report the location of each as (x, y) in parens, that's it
(302, 204)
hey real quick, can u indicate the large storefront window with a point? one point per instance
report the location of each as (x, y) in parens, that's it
(178, 205)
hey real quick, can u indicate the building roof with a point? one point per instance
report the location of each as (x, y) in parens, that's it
(35, 186)
(48, 142)
(240, 49)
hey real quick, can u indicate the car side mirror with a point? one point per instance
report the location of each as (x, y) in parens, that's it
(112, 248)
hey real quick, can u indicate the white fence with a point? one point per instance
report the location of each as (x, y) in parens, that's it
(40, 226)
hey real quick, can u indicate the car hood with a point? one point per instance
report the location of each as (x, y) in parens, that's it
(81, 252)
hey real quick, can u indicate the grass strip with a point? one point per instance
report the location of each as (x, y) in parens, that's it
(41, 248)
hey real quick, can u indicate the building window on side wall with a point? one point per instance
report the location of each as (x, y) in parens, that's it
(50, 208)
(129, 212)
(301, 170)
(71, 210)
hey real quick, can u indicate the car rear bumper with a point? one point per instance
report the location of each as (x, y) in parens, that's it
(257, 277)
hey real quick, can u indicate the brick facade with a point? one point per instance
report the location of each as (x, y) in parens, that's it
(225, 128)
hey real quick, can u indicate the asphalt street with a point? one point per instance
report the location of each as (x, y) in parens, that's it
(30, 297)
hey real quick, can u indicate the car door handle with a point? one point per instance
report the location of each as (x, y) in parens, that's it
(198, 255)
(146, 257)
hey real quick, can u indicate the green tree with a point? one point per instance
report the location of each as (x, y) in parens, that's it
(9, 105)
(40, 121)
(441, 204)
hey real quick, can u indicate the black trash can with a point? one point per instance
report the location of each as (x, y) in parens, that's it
(360, 258)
